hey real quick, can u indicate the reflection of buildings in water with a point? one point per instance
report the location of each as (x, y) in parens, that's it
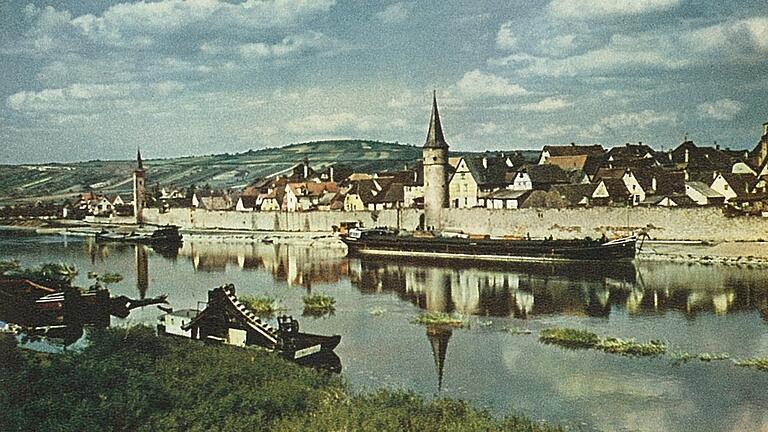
(297, 265)
(98, 252)
(142, 270)
(438, 339)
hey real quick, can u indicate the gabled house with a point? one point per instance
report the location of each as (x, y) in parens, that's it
(247, 203)
(733, 185)
(476, 176)
(577, 195)
(306, 195)
(631, 156)
(504, 199)
(702, 195)
(366, 195)
(611, 191)
(569, 155)
(631, 182)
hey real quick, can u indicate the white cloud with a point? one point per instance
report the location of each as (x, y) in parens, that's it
(478, 84)
(395, 13)
(143, 25)
(631, 121)
(505, 38)
(87, 97)
(740, 41)
(489, 128)
(722, 109)
(513, 59)
(558, 45)
(586, 9)
(547, 105)
(310, 41)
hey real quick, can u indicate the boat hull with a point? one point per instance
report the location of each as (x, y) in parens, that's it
(493, 249)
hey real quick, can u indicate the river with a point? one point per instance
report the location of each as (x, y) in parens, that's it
(497, 362)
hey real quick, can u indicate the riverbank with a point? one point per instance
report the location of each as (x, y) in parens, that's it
(138, 381)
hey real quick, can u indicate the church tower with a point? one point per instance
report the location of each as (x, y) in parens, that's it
(435, 158)
(139, 192)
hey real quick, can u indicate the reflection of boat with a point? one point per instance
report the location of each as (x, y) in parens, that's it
(382, 241)
(622, 271)
(37, 308)
(165, 235)
(226, 320)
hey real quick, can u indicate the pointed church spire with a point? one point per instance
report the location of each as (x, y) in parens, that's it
(138, 159)
(438, 338)
(435, 135)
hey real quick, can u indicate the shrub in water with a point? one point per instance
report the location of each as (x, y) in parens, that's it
(630, 347)
(438, 318)
(260, 305)
(319, 304)
(568, 337)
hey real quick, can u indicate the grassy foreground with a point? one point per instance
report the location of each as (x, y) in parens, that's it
(132, 380)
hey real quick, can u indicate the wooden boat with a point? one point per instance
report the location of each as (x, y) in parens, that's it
(165, 235)
(226, 320)
(383, 241)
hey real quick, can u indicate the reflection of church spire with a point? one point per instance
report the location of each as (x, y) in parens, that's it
(142, 270)
(438, 338)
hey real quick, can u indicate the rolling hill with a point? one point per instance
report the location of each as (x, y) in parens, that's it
(19, 183)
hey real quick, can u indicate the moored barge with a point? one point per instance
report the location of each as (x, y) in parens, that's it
(384, 241)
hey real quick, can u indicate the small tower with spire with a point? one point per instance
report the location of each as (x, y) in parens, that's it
(435, 158)
(139, 190)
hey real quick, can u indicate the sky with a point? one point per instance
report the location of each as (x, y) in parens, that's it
(97, 79)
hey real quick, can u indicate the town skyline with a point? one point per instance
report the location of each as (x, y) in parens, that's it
(209, 77)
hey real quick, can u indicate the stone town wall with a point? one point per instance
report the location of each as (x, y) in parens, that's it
(661, 224)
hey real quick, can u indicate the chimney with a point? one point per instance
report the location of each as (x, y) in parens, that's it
(717, 146)
(306, 168)
(686, 155)
(485, 162)
(330, 170)
(653, 183)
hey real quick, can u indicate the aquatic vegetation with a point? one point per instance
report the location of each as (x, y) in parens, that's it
(760, 363)
(106, 279)
(484, 323)
(707, 357)
(630, 347)
(377, 312)
(260, 305)
(439, 318)
(319, 304)
(568, 337)
(518, 331)
(681, 357)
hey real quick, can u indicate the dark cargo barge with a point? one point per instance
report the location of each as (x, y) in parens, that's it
(382, 241)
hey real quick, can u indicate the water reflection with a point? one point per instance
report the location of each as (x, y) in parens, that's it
(438, 339)
(295, 265)
(524, 291)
